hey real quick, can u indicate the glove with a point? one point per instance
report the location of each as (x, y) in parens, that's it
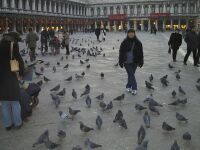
(121, 65)
(140, 65)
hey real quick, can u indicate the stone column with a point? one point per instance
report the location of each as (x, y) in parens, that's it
(164, 24)
(108, 10)
(164, 8)
(109, 25)
(5, 3)
(101, 11)
(121, 24)
(63, 12)
(135, 9)
(39, 5)
(135, 25)
(149, 25)
(149, 9)
(142, 25)
(55, 7)
(128, 10)
(12, 4)
(14, 25)
(33, 5)
(45, 6)
(27, 7)
(171, 24)
(179, 8)
(20, 4)
(187, 23)
(187, 8)
(59, 7)
(121, 9)
(172, 9)
(115, 27)
(157, 8)
(95, 24)
(128, 24)
(156, 24)
(179, 23)
(142, 10)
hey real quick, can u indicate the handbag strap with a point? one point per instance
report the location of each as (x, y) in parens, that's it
(11, 50)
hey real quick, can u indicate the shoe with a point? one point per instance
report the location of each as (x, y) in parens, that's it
(129, 90)
(19, 127)
(185, 63)
(134, 92)
(9, 128)
(196, 65)
(174, 60)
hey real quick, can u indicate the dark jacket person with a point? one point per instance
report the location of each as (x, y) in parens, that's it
(9, 86)
(131, 56)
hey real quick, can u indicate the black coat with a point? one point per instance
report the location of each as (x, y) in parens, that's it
(9, 86)
(137, 51)
(192, 40)
(175, 41)
(97, 31)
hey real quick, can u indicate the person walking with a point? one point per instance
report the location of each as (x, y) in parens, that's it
(104, 34)
(130, 57)
(9, 86)
(192, 44)
(174, 43)
(66, 42)
(44, 39)
(31, 41)
(198, 54)
(97, 33)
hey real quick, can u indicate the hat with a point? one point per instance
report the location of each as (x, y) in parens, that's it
(131, 30)
(12, 36)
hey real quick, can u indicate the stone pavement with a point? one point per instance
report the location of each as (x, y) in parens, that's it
(111, 136)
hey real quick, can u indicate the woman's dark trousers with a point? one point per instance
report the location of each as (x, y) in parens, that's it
(130, 69)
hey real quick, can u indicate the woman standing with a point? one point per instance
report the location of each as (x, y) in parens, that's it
(66, 42)
(9, 86)
(130, 57)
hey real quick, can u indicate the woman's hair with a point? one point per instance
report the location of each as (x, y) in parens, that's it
(131, 30)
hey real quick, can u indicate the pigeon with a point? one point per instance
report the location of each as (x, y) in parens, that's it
(61, 134)
(73, 112)
(178, 77)
(167, 127)
(119, 98)
(61, 59)
(56, 88)
(139, 107)
(141, 134)
(198, 87)
(102, 105)
(180, 117)
(116, 65)
(64, 116)
(69, 79)
(177, 72)
(170, 66)
(74, 94)
(42, 69)
(173, 93)
(66, 66)
(148, 98)
(54, 69)
(85, 128)
(38, 74)
(62, 93)
(104, 55)
(175, 146)
(147, 119)
(109, 106)
(164, 81)
(118, 116)
(100, 97)
(78, 77)
(42, 138)
(39, 83)
(83, 74)
(88, 66)
(122, 123)
(102, 75)
(47, 64)
(187, 136)
(58, 63)
(99, 122)
(143, 146)
(51, 145)
(181, 90)
(154, 109)
(81, 62)
(149, 85)
(86, 92)
(55, 99)
(151, 78)
(87, 60)
(46, 79)
(91, 144)
(183, 101)
(88, 101)
(198, 80)
(77, 147)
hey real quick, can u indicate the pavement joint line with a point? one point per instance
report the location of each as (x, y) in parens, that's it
(190, 59)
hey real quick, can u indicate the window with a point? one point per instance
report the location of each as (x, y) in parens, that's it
(176, 9)
(183, 8)
(42, 5)
(125, 10)
(145, 9)
(36, 5)
(105, 11)
(111, 10)
(98, 11)
(153, 8)
(8, 3)
(52, 6)
(168, 9)
(118, 10)
(160, 9)
(92, 11)
(57, 7)
(138, 10)
(191, 8)
(23, 4)
(16, 4)
(131, 10)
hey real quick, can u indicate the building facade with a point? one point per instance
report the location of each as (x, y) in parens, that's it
(114, 15)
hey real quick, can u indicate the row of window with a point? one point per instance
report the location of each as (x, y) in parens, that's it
(139, 9)
(69, 8)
